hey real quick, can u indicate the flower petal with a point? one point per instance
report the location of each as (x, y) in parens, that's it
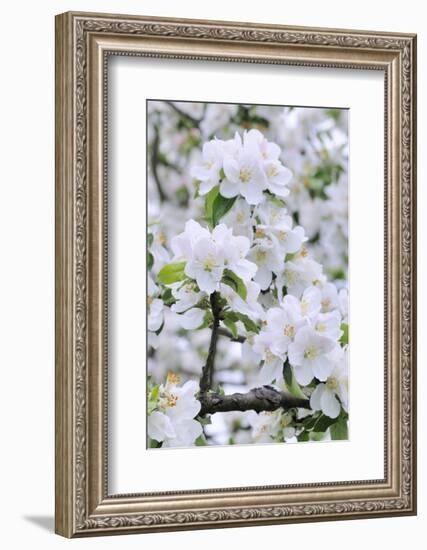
(192, 319)
(330, 404)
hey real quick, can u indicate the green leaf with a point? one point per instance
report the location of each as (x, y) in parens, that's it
(309, 421)
(172, 273)
(291, 384)
(150, 238)
(220, 207)
(316, 436)
(250, 325)
(154, 392)
(150, 261)
(303, 436)
(275, 200)
(323, 423)
(200, 441)
(209, 200)
(206, 321)
(344, 337)
(231, 325)
(339, 430)
(232, 280)
(153, 444)
(167, 297)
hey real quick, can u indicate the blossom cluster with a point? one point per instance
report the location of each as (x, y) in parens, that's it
(243, 232)
(244, 167)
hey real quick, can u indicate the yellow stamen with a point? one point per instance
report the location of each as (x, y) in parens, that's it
(332, 383)
(172, 399)
(172, 379)
(321, 327)
(272, 171)
(289, 331)
(245, 175)
(311, 352)
(161, 238)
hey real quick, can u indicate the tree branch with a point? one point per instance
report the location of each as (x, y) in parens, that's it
(193, 120)
(224, 332)
(154, 161)
(207, 371)
(265, 398)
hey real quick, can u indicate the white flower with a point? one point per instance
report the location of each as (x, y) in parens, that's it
(250, 306)
(173, 423)
(206, 265)
(160, 426)
(270, 214)
(309, 304)
(308, 354)
(209, 254)
(240, 219)
(288, 238)
(186, 296)
(343, 304)
(329, 300)
(235, 250)
(155, 313)
(268, 258)
(298, 274)
(329, 324)
(324, 397)
(255, 141)
(208, 172)
(244, 176)
(192, 319)
(154, 306)
(278, 177)
(266, 345)
(265, 425)
(183, 244)
(157, 248)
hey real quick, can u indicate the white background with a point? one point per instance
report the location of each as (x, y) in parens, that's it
(132, 467)
(27, 274)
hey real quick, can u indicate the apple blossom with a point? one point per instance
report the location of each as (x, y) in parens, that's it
(154, 306)
(266, 255)
(208, 173)
(172, 422)
(333, 393)
(308, 355)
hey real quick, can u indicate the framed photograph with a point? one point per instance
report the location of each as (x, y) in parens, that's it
(235, 274)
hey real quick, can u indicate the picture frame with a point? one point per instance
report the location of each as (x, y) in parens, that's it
(84, 42)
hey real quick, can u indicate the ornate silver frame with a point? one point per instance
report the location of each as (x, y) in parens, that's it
(83, 42)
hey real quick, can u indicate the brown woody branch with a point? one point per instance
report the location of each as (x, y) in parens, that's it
(194, 121)
(154, 162)
(265, 398)
(208, 369)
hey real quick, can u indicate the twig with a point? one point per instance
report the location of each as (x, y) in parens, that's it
(195, 121)
(224, 332)
(208, 369)
(265, 398)
(154, 161)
